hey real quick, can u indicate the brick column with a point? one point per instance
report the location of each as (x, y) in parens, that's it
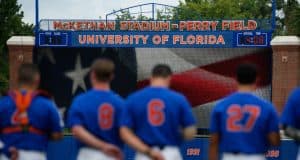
(286, 68)
(20, 51)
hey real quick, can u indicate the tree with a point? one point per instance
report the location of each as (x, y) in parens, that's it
(10, 24)
(125, 15)
(160, 15)
(242, 9)
(292, 17)
(223, 9)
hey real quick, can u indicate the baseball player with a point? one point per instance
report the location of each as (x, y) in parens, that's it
(243, 126)
(28, 118)
(157, 119)
(94, 116)
(291, 117)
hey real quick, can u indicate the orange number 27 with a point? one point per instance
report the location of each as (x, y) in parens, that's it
(237, 113)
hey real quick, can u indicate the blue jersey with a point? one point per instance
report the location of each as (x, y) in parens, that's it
(291, 113)
(99, 112)
(43, 116)
(157, 116)
(243, 122)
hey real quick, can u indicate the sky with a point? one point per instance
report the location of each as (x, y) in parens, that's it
(79, 9)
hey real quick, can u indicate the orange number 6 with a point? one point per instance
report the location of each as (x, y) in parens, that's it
(156, 115)
(106, 116)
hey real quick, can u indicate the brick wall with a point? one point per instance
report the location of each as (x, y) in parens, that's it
(286, 71)
(20, 51)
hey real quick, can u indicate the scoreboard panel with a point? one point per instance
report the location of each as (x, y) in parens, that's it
(53, 39)
(171, 39)
(252, 39)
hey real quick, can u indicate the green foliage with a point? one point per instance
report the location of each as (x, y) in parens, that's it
(160, 15)
(286, 24)
(125, 15)
(10, 24)
(164, 15)
(292, 17)
(224, 9)
(142, 18)
(243, 9)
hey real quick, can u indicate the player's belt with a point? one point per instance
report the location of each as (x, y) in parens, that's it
(19, 129)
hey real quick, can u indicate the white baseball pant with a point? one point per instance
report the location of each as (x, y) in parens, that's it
(298, 157)
(27, 155)
(169, 153)
(86, 153)
(230, 156)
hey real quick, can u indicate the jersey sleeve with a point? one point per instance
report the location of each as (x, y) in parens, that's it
(74, 115)
(273, 121)
(127, 115)
(187, 115)
(288, 116)
(121, 109)
(215, 121)
(55, 120)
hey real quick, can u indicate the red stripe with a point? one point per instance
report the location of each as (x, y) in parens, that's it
(212, 82)
(261, 59)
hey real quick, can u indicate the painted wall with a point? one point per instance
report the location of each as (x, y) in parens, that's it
(196, 149)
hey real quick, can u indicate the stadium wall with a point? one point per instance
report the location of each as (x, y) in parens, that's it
(196, 149)
(286, 64)
(285, 74)
(285, 77)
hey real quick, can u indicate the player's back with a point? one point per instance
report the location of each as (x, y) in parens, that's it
(291, 113)
(43, 120)
(243, 121)
(99, 112)
(157, 116)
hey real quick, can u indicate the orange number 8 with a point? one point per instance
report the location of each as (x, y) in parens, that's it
(106, 116)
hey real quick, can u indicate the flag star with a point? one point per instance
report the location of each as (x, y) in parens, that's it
(46, 52)
(77, 75)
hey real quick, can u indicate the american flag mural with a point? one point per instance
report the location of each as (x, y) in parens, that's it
(203, 75)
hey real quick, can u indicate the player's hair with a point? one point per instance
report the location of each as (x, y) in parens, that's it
(246, 73)
(103, 69)
(27, 74)
(161, 70)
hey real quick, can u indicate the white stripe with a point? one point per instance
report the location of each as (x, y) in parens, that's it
(206, 56)
(298, 157)
(182, 59)
(149, 57)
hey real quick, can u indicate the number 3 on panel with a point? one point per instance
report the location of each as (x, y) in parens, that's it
(106, 116)
(236, 114)
(156, 114)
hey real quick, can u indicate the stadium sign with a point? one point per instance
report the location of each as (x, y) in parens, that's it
(154, 34)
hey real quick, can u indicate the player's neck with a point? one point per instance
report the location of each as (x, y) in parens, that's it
(27, 88)
(159, 83)
(246, 88)
(101, 86)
